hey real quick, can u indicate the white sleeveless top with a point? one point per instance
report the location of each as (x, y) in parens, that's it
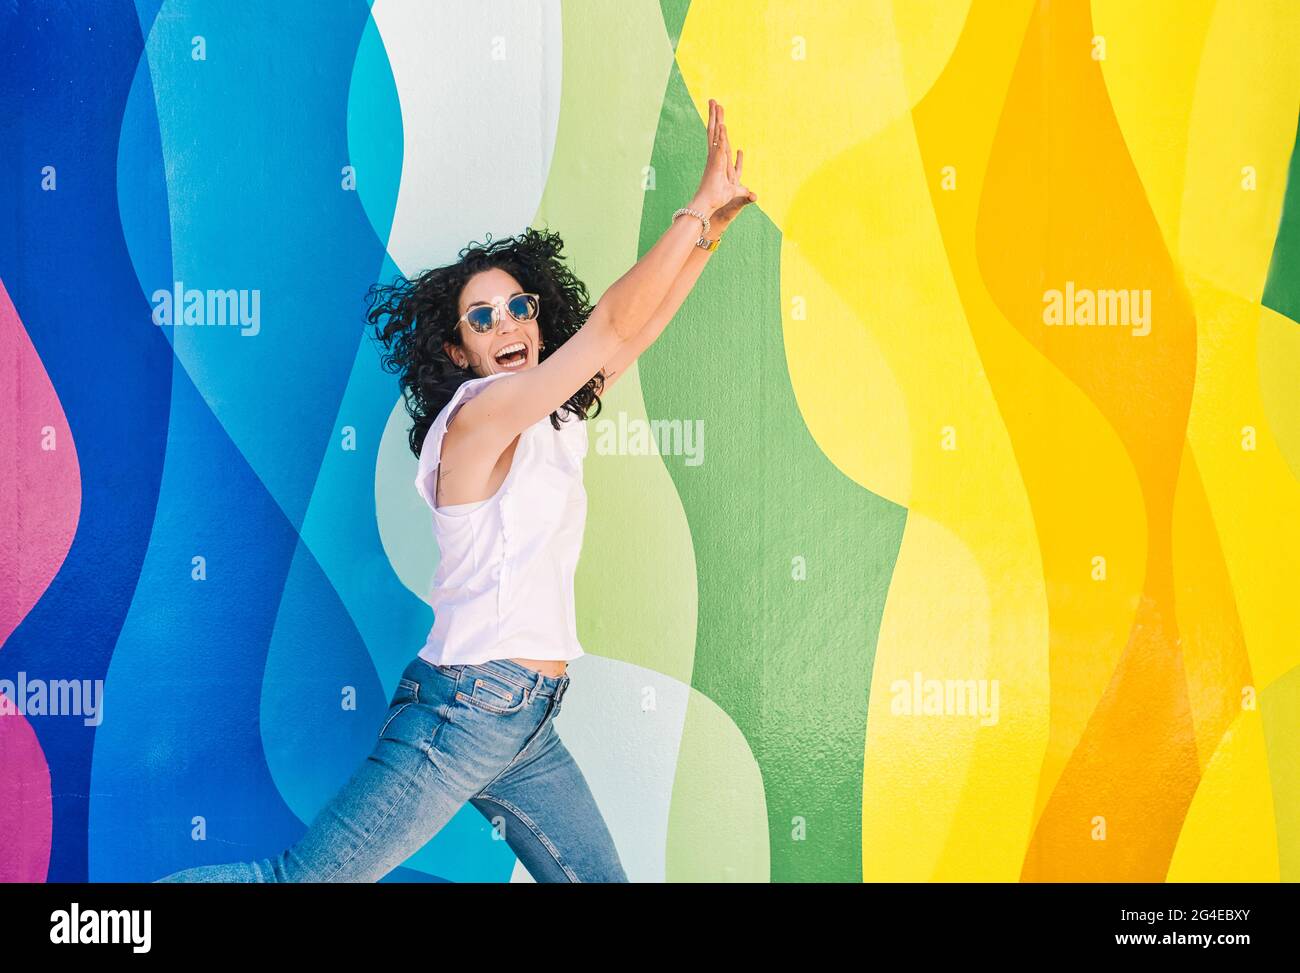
(504, 584)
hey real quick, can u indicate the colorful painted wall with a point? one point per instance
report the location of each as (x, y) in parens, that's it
(976, 558)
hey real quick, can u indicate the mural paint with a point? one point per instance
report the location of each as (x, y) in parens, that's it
(931, 576)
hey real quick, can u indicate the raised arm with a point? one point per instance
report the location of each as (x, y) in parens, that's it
(504, 409)
(629, 350)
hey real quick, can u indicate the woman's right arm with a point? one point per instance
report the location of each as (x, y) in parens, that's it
(504, 409)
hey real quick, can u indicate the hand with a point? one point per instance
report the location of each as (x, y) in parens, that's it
(721, 192)
(722, 217)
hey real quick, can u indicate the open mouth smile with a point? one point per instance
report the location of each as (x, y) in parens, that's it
(512, 356)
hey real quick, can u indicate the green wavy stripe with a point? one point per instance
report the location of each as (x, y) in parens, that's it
(789, 660)
(674, 12)
(1282, 289)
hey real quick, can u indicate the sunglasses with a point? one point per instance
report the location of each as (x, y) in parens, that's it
(486, 316)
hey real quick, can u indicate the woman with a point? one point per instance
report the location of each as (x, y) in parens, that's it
(500, 464)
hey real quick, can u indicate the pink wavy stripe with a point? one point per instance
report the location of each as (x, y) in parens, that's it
(40, 504)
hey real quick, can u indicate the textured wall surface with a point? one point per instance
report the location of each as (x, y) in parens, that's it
(976, 559)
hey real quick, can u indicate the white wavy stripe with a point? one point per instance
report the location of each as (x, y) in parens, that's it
(479, 83)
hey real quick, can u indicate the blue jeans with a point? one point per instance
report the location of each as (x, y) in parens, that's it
(478, 733)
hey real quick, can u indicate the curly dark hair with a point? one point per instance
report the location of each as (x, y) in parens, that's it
(413, 318)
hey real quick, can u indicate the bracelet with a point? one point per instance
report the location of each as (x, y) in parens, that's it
(695, 213)
(704, 243)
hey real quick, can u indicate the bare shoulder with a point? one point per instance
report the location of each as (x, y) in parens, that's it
(459, 439)
(483, 419)
(466, 463)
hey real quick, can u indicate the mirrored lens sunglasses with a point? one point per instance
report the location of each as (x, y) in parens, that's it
(484, 317)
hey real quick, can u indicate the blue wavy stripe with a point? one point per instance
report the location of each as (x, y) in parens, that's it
(65, 265)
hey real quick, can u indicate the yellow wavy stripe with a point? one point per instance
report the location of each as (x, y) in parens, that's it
(1230, 834)
(802, 83)
(1244, 115)
(1153, 55)
(882, 361)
